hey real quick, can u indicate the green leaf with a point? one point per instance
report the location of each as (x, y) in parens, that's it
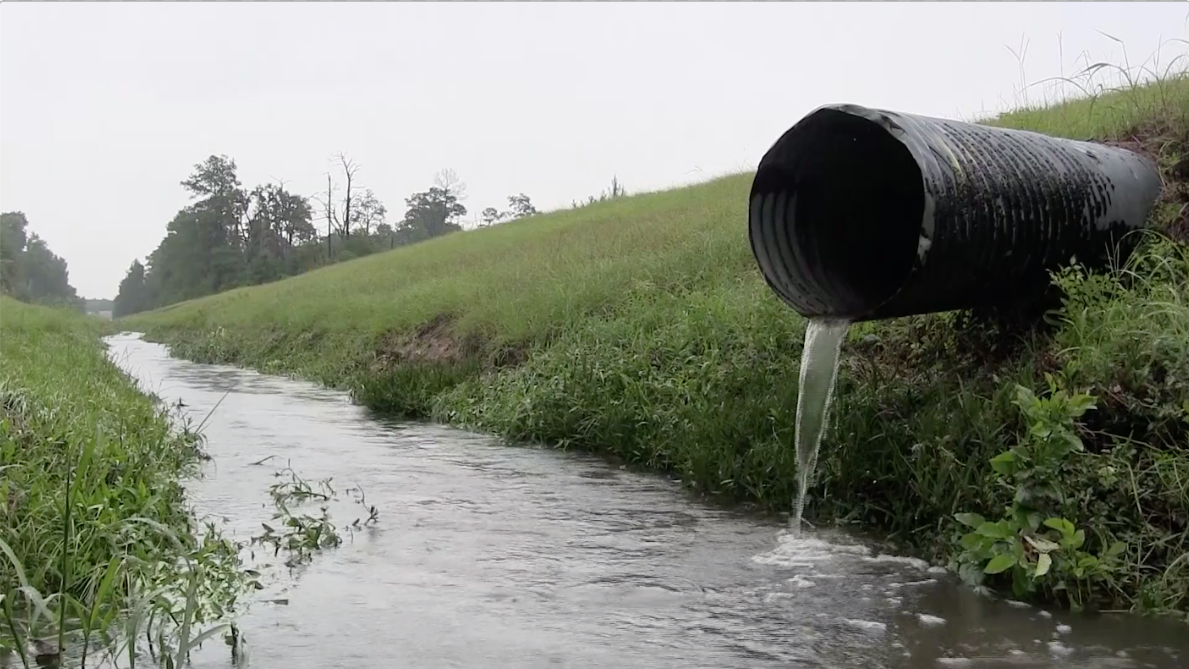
(1116, 549)
(999, 564)
(1042, 565)
(1080, 404)
(998, 530)
(1041, 431)
(1079, 538)
(105, 587)
(1061, 525)
(1034, 521)
(1041, 544)
(974, 541)
(1004, 463)
(969, 519)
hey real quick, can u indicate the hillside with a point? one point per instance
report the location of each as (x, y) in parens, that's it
(641, 328)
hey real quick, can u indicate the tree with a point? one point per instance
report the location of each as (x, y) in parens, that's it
(42, 276)
(386, 232)
(134, 295)
(520, 206)
(277, 219)
(328, 212)
(13, 238)
(490, 216)
(432, 213)
(349, 171)
(369, 211)
(29, 271)
(216, 185)
(356, 207)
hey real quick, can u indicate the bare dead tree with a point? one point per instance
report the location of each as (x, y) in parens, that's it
(350, 168)
(327, 202)
(448, 180)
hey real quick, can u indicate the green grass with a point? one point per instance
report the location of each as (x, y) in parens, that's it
(93, 521)
(641, 328)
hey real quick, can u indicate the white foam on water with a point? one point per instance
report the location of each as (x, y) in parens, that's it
(954, 661)
(1017, 604)
(899, 559)
(867, 625)
(1045, 614)
(1058, 648)
(931, 621)
(806, 552)
(801, 582)
(910, 584)
(940, 571)
(1064, 629)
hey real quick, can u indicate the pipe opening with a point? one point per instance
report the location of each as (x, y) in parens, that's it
(850, 230)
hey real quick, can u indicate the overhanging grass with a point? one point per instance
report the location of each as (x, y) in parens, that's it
(641, 328)
(91, 501)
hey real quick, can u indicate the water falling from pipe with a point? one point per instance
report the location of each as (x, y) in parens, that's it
(819, 369)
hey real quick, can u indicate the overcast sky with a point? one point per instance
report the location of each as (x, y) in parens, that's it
(104, 108)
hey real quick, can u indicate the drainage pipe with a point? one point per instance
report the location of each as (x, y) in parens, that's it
(866, 214)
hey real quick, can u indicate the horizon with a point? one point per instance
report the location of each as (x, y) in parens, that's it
(97, 137)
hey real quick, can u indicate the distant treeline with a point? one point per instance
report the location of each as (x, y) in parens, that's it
(98, 306)
(29, 271)
(229, 236)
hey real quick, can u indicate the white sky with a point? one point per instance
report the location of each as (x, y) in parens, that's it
(104, 108)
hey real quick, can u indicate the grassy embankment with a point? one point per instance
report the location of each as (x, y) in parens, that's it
(642, 328)
(95, 538)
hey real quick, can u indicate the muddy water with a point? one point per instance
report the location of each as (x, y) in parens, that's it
(493, 556)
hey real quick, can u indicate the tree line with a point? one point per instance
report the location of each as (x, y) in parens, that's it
(29, 270)
(229, 236)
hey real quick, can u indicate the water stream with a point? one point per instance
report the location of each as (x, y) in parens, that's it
(487, 555)
(819, 370)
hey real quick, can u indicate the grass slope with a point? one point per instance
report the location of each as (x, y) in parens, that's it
(92, 514)
(642, 328)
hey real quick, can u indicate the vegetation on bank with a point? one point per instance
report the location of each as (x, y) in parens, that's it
(97, 545)
(29, 270)
(641, 328)
(229, 236)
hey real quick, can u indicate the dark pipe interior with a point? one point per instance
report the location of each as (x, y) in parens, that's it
(859, 203)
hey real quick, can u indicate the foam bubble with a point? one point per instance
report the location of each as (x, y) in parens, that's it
(801, 582)
(1059, 648)
(867, 625)
(805, 552)
(894, 586)
(898, 559)
(929, 620)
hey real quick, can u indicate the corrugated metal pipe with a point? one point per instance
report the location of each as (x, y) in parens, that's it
(865, 214)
